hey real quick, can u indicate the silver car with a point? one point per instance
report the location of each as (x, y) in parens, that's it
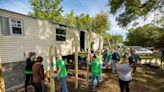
(144, 51)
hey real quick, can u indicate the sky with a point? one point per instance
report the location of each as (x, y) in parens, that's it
(91, 7)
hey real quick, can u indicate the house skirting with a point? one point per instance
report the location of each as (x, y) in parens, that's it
(13, 73)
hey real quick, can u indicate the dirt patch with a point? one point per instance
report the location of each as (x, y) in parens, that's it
(146, 79)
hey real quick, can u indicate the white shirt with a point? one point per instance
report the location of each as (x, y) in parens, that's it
(125, 72)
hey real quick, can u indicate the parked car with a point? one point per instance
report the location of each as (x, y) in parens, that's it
(144, 51)
(150, 48)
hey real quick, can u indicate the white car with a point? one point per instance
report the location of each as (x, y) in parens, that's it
(144, 51)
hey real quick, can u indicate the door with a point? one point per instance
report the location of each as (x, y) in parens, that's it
(82, 40)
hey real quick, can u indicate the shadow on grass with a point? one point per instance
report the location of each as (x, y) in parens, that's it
(148, 79)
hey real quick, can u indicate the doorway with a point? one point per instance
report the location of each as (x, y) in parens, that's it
(82, 40)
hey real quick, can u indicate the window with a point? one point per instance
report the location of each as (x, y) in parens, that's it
(60, 35)
(11, 26)
(16, 26)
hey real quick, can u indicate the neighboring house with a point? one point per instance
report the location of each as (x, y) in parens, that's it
(21, 34)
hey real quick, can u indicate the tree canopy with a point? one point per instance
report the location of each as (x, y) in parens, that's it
(112, 40)
(47, 9)
(101, 23)
(51, 10)
(130, 10)
(71, 19)
(147, 35)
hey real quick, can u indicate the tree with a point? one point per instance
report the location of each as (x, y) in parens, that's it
(87, 23)
(133, 9)
(71, 19)
(147, 35)
(76, 62)
(115, 39)
(84, 21)
(101, 24)
(106, 37)
(47, 9)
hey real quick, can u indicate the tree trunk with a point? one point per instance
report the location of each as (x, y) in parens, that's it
(2, 84)
(51, 58)
(89, 43)
(100, 44)
(109, 45)
(76, 63)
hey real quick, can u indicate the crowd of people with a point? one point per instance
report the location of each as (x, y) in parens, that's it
(123, 61)
(34, 72)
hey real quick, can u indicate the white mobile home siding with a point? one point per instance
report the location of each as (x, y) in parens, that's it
(37, 37)
(98, 41)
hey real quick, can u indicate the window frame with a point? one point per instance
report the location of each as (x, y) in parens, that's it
(63, 35)
(11, 27)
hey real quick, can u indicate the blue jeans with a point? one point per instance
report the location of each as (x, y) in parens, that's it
(38, 87)
(100, 78)
(94, 79)
(81, 61)
(107, 58)
(114, 62)
(63, 84)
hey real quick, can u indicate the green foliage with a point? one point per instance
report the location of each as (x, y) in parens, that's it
(133, 9)
(47, 9)
(112, 40)
(116, 38)
(147, 35)
(106, 37)
(84, 21)
(101, 23)
(70, 19)
(51, 10)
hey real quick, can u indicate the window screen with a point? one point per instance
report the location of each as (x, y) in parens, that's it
(16, 26)
(60, 35)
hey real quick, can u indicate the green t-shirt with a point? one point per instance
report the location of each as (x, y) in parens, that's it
(99, 59)
(135, 57)
(61, 64)
(95, 68)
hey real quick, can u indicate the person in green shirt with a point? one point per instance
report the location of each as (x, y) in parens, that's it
(95, 71)
(101, 64)
(61, 70)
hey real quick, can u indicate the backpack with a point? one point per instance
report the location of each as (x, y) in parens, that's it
(115, 56)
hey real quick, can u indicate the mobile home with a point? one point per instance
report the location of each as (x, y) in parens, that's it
(21, 34)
